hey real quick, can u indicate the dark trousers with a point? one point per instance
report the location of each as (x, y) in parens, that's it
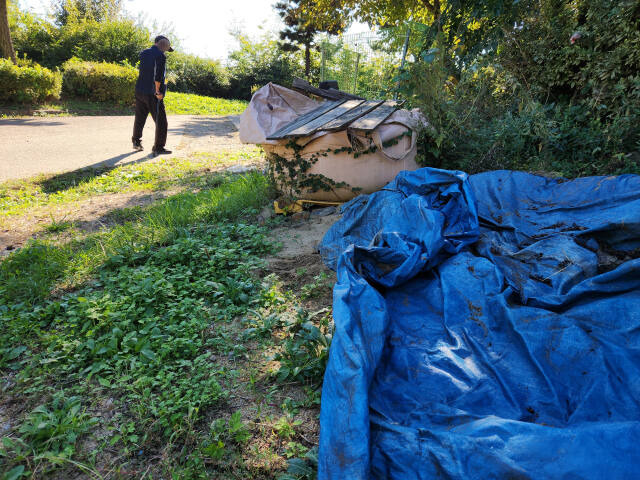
(145, 105)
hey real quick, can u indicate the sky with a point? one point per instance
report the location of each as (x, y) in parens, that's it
(203, 26)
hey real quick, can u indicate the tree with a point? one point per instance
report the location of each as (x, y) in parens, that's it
(385, 13)
(465, 29)
(98, 10)
(6, 45)
(303, 21)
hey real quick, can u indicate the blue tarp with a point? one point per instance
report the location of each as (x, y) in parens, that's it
(486, 327)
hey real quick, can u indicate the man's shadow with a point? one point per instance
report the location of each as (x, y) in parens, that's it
(67, 180)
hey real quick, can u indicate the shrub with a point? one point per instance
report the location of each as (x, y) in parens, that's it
(488, 121)
(119, 40)
(601, 67)
(538, 102)
(257, 63)
(191, 74)
(113, 41)
(103, 82)
(28, 83)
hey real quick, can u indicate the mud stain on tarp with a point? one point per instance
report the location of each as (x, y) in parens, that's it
(475, 314)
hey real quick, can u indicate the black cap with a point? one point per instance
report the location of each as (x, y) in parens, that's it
(162, 37)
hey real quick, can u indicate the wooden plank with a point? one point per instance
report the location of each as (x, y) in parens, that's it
(344, 94)
(306, 87)
(374, 118)
(303, 119)
(331, 93)
(343, 120)
(317, 124)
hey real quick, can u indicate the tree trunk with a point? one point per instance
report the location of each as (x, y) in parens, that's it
(307, 60)
(6, 45)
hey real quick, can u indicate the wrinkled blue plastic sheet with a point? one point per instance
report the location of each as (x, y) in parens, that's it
(486, 327)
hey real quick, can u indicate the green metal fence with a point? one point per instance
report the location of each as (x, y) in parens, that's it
(365, 64)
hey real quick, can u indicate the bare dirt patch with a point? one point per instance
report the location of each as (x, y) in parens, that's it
(303, 237)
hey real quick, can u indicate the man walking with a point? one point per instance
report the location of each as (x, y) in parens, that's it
(150, 90)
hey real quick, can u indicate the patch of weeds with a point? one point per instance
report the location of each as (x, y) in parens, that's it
(58, 226)
(285, 427)
(320, 284)
(31, 273)
(305, 352)
(221, 450)
(224, 435)
(311, 399)
(260, 324)
(304, 468)
(140, 332)
(48, 435)
(127, 214)
(295, 449)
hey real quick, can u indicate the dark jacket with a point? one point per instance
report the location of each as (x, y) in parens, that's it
(152, 69)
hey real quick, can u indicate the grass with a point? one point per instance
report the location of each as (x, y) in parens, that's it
(175, 104)
(32, 272)
(189, 104)
(19, 196)
(156, 349)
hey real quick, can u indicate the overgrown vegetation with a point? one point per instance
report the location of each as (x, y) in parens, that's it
(136, 342)
(163, 346)
(560, 92)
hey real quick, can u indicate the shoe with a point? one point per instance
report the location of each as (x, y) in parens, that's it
(137, 146)
(160, 151)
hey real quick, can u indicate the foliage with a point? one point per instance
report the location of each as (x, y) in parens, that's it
(191, 74)
(301, 28)
(224, 434)
(306, 349)
(140, 333)
(304, 468)
(28, 83)
(98, 10)
(535, 101)
(602, 66)
(377, 62)
(103, 82)
(321, 282)
(55, 427)
(149, 339)
(30, 274)
(116, 40)
(256, 63)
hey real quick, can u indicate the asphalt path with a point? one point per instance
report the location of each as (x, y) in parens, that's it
(36, 145)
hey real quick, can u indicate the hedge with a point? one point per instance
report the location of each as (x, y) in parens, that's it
(191, 74)
(28, 83)
(102, 82)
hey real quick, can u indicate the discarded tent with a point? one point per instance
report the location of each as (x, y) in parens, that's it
(485, 327)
